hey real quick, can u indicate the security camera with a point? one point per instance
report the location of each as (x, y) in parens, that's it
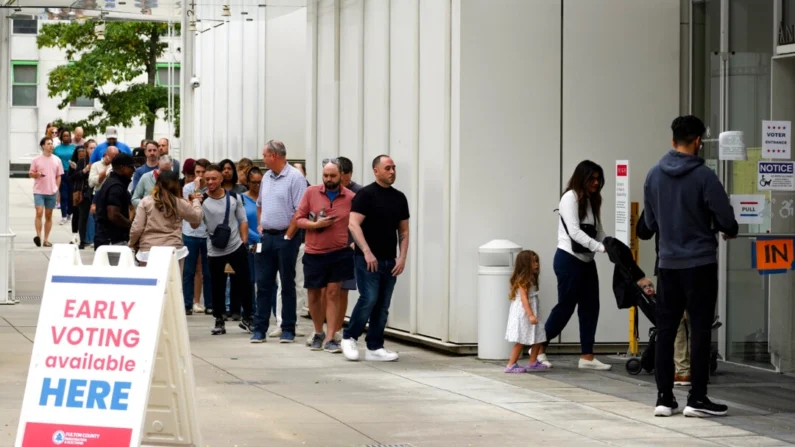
(194, 82)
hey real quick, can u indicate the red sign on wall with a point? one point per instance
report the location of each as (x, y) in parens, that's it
(621, 170)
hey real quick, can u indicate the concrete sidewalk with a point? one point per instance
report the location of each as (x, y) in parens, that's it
(285, 395)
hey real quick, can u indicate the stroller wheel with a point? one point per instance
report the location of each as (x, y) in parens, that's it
(633, 366)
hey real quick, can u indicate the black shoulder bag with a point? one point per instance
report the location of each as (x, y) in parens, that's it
(222, 233)
(588, 229)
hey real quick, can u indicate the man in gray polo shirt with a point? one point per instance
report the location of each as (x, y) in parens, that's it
(280, 194)
(233, 252)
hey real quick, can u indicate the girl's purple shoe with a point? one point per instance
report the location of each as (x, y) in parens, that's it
(537, 366)
(515, 369)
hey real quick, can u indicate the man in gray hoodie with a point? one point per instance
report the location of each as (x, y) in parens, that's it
(684, 202)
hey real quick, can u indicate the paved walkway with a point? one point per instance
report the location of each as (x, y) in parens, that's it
(285, 395)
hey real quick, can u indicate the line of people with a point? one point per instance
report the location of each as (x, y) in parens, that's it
(251, 241)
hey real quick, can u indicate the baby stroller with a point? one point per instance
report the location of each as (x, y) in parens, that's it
(629, 294)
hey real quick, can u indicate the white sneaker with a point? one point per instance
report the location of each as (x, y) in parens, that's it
(63, 221)
(276, 332)
(381, 355)
(542, 358)
(349, 349)
(594, 364)
(197, 307)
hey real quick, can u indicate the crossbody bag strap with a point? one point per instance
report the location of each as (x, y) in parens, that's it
(226, 216)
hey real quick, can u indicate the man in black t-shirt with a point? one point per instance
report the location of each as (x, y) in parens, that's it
(113, 204)
(379, 220)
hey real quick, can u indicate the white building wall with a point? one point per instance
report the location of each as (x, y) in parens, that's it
(252, 69)
(27, 123)
(486, 112)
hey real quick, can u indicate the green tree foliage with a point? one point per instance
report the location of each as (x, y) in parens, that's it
(106, 70)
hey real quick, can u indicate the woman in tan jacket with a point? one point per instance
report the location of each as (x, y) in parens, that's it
(158, 219)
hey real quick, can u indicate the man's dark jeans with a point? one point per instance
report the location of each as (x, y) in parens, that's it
(375, 296)
(694, 289)
(197, 246)
(277, 256)
(241, 287)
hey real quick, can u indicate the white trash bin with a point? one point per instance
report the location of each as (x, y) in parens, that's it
(495, 266)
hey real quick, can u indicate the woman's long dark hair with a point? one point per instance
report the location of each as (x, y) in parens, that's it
(223, 164)
(578, 183)
(76, 153)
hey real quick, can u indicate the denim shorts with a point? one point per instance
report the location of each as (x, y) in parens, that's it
(323, 269)
(45, 200)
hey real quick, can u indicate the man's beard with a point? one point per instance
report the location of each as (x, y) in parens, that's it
(331, 186)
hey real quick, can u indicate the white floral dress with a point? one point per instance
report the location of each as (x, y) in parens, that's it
(519, 329)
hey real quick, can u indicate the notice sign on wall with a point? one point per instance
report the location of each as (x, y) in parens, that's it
(776, 139)
(623, 210)
(731, 146)
(748, 209)
(776, 175)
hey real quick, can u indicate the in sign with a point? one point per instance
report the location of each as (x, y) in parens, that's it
(621, 170)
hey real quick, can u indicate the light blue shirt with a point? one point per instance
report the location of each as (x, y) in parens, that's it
(251, 216)
(99, 151)
(279, 197)
(187, 230)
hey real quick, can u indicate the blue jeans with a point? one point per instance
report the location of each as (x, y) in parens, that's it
(90, 229)
(277, 256)
(197, 246)
(375, 296)
(578, 286)
(252, 264)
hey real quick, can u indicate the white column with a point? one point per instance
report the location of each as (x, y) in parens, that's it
(186, 103)
(6, 242)
(311, 88)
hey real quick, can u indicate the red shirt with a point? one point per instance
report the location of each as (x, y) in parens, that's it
(334, 237)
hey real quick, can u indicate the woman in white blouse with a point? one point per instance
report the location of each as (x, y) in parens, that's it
(580, 236)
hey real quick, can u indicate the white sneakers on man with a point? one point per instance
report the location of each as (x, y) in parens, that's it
(349, 349)
(351, 352)
(594, 364)
(542, 358)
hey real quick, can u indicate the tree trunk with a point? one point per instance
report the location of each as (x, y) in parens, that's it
(151, 72)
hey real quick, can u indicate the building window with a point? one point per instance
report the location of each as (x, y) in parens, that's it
(82, 102)
(26, 26)
(24, 83)
(161, 76)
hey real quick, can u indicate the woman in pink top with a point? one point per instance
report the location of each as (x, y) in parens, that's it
(158, 219)
(46, 171)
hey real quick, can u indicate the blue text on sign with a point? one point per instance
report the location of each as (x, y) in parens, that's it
(776, 168)
(95, 392)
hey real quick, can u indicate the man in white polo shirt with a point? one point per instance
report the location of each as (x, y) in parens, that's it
(280, 194)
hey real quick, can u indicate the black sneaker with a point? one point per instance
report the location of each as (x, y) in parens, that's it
(245, 324)
(220, 327)
(666, 405)
(703, 407)
(188, 311)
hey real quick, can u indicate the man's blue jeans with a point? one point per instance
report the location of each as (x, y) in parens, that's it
(252, 265)
(375, 296)
(197, 246)
(277, 256)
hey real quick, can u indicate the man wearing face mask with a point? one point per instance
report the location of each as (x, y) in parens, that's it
(683, 199)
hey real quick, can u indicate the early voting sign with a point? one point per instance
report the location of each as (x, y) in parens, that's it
(111, 364)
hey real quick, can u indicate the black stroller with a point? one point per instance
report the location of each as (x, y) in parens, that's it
(629, 294)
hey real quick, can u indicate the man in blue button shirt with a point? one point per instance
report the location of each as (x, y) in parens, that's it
(112, 139)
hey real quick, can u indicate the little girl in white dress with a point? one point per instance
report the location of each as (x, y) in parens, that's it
(525, 327)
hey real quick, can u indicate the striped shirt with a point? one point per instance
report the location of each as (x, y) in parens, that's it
(279, 197)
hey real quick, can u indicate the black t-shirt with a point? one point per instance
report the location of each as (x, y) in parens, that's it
(383, 209)
(114, 193)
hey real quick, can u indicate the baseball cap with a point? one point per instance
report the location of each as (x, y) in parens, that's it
(111, 132)
(188, 166)
(121, 160)
(139, 152)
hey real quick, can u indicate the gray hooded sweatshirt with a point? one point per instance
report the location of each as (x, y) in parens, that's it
(685, 203)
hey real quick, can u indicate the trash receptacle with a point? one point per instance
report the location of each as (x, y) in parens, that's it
(495, 266)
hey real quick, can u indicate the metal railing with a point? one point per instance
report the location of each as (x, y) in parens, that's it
(10, 296)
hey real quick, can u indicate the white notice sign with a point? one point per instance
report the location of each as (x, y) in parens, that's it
(748, 209)
(776, 139)
(622, 201)
(732, 146)
(776, 176)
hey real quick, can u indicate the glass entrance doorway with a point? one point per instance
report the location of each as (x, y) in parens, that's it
(732, 88)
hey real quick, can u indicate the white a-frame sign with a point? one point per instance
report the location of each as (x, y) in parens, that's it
(111, 363)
